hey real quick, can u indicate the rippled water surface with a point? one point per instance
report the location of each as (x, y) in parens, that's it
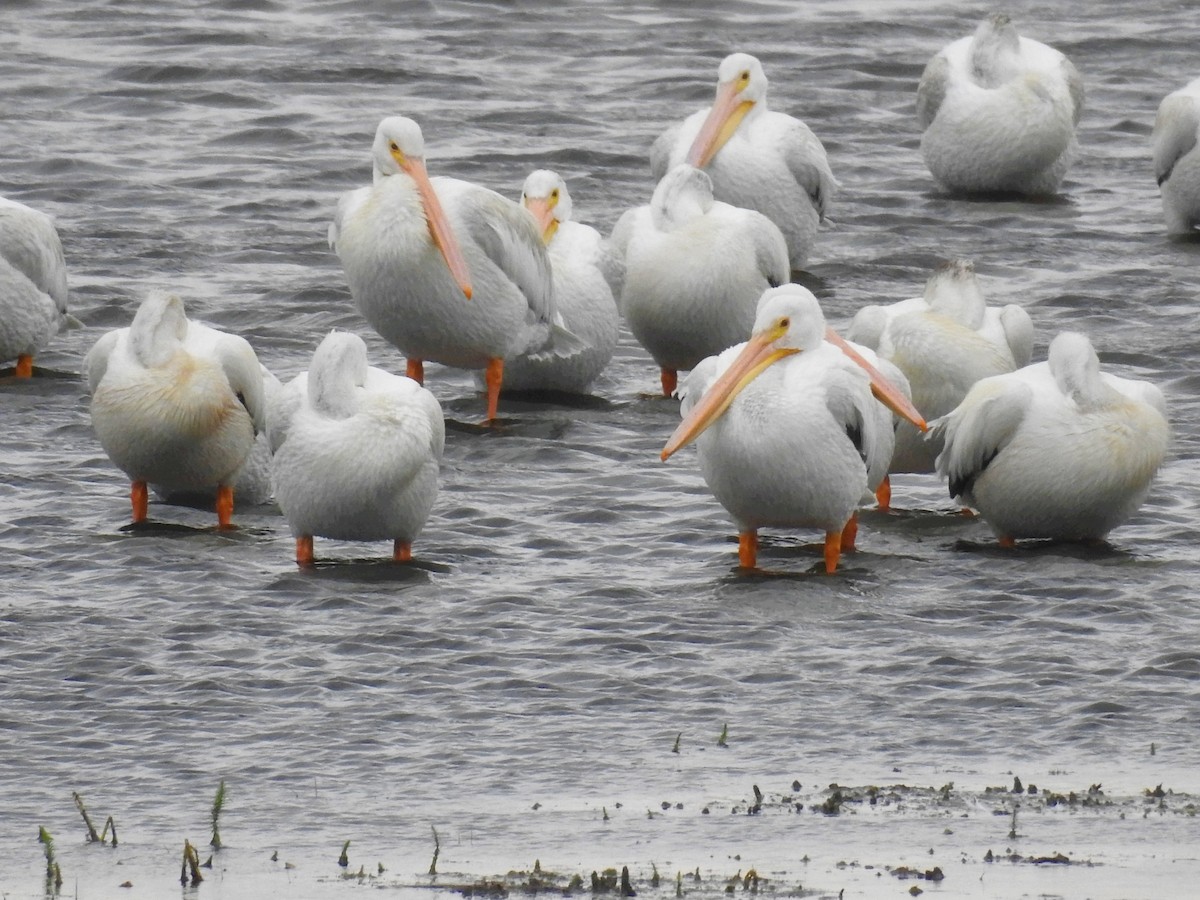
(575, 609)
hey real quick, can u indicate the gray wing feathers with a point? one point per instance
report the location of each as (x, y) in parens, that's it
(932, 90)
(1175, 129)
(95, 364)
(809, 165)
(1018, 330)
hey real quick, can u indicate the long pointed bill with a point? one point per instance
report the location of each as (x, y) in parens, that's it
(439, 226)
(885, 392)
(758, 353)
(543, 214)
(723, 119)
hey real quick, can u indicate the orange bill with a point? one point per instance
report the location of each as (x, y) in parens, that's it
(758, 353)
(543, 213)
(439, 226)
(722, 121)
(885, 392)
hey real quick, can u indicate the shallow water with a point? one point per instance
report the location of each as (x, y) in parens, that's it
(575, 608)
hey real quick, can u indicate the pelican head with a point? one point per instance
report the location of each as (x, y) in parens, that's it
(684, 193)
(1076, 369)
(545, 195)
(953, 291)
(741, 84)
(994, 51)
(399, 150)
(339, 365)
(158, 328)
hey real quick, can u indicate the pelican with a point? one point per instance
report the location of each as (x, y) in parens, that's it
(786, 426)
(444, 269)
(33, 284)
(580, 262)
(998, 112)
(694, 270)
(757, 158)
(943, 342)
(357, 451)
(1176, 159)
(175, 403)
(1057, 449)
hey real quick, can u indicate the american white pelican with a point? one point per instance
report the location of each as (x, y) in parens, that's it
(998, 112)
(694, 271)
(943, 342)
(579, 260)
(175, 403)
(444, 269)
(1177, 159)
(357, 451)
(786, 426)
(33, 284)
(1055, 450)
(757, 158)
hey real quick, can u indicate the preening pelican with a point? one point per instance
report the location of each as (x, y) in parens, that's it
(786, 426)
(175, 403)
(998, 112)
(757, 158)
(443, 269)
(1177, 159)
(33, 284)
(694, 270)
(943, 342)
(357, 451)
(579, 260)
(1055, 450)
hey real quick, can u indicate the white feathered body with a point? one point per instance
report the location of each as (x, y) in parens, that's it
(1176, 140)
(33, 281)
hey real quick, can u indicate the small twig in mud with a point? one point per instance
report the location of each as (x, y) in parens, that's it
(675, 749)
(191, 865)
(1012, 832)
(344, 859)
(724, 735)
(218, 805)
(437, 848)
(626, 888)
(93, 837)
(110, 822)
(678, 884)
(53, 872)
(654, 879)
(604, 809)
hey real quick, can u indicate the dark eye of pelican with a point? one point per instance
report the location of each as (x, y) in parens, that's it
(745, 76)
(785, 323)
(554, 194)
(395, 148)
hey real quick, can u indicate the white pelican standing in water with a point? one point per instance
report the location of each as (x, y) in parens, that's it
(33, 284)
(175, 403)
(786, 426)
(1177, 158)
(1055, 450)
(757, 158)
(694, 271)
(357, 451)
(943, 342)
(579, 260)
(444, 269)
(998, 112)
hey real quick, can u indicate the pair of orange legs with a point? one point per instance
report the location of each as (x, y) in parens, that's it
(835, 543)
(401, 550)
(139, 496)
(494, 376)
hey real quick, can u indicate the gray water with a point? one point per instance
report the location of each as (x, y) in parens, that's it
(575, 607)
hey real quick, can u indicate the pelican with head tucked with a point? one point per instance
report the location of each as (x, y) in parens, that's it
(786, 425)
(1058, 449)
(33, 284)
(444, 269)
(175, 403)
(757, 158)
(1177, 158)
(998, 112)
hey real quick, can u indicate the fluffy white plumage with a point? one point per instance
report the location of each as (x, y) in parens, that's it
(1177, 159)
(695, 269)
(33, 283)
(1058, 449)
(357, 449)
(757, 158)
(174, 402)
(943, 342)
(998, 112)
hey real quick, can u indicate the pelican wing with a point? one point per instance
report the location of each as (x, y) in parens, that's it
(661, 150)
(1075, 86)
(30, 243)
(1175, 129)
(806, 160)
(979, 429)
(852, 408)
(770, 249)
(867, 326)
(95, 364)
(931, 90)
(282, 405)
(1018, 332)
(238, 361)
(348, 204)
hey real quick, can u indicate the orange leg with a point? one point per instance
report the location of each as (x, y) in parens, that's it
(494, 377)
(748, 548)
(849, 533)
(1007, 543)
(304, 550)
(415, 369)
(833, 549)
(139, 494)
(24, 366)
(883, 493)
(224, 506)
(670, 381)
(401, 550)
